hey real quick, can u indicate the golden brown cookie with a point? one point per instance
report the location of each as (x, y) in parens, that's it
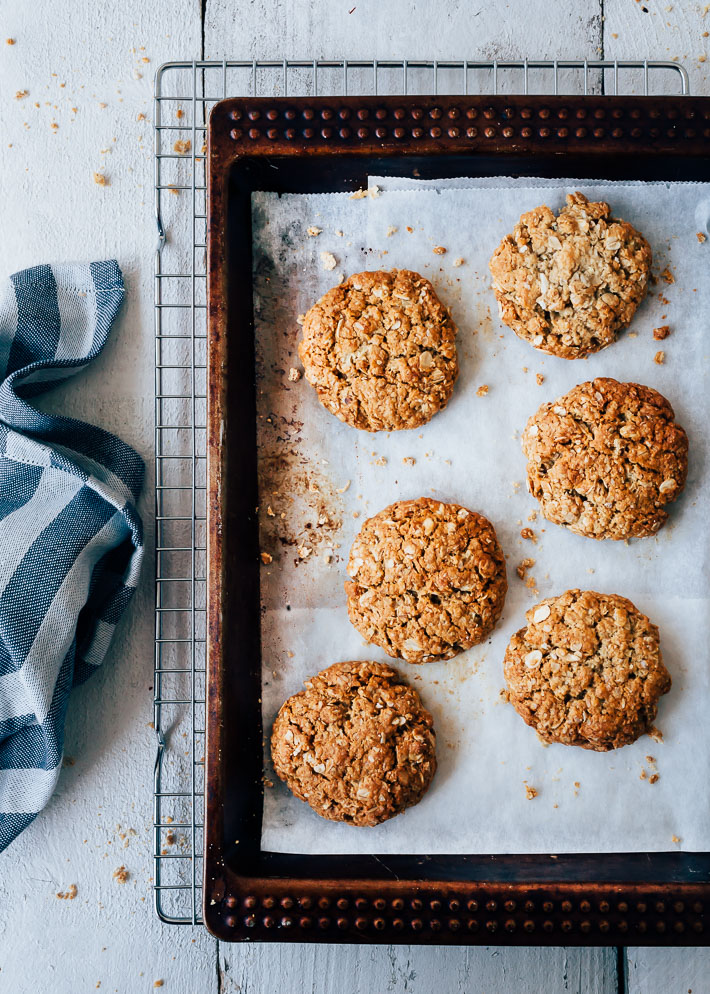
(605, 459)
(587, 670)
(380, 349)
(567, 284)
(356, 744)
(428, 580)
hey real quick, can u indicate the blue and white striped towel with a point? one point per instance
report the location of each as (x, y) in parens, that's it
(70, 536)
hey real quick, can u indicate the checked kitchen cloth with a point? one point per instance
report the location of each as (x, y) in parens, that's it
(70, 536)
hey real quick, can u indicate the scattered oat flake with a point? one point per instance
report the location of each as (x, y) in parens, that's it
(21, 94)
(539, 379)
(182, 146)
(523, 567)
(667, 275)
(409, 460)
(439, 250)
(701, 236)
(101, 179)
(660, 333)
(140, 117)
(69, 894)
(674, 838)
(482, 390)
(358, 195)
(530, 792)
(528, 533)
(659, 358)
(266, 558)
(392, 231)
(294, 374)
(458, 262)
(121, 875)
(313, 231)
(329, 261)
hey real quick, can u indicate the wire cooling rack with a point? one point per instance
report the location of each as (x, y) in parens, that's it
(184, 95)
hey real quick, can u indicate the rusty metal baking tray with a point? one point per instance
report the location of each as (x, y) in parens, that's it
(329, 144)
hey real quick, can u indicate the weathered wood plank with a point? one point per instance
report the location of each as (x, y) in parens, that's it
(79, 54)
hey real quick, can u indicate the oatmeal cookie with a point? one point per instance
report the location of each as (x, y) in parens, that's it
(605, 459)
(567, 284)
(428, 580)
(587, 670)
(380, 349)
(356, 744)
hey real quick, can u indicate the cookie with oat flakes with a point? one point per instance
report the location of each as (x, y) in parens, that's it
(568, 283)
(606, 458)
(428, 580)
(587, 670)
(380, 350)
(357, 744)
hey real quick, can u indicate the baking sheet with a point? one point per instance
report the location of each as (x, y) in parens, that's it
(319, 479)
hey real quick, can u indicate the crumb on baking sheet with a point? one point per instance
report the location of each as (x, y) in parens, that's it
(409, 460)
(667, 276)
(654, 778)
(458, 262)
(656, 734)
(701, 236)
(179, 113)
(659, 358)
(121, 875)
(328, 260)
(182, 146)
(439, 250)
(294, 374)
(140, 117)
(313, 231)
(539, 379)
(529, 534)
(304, 552)
(9, 41)
(69, 894)
(392, 230)
(660, 333)
(530, 792)
(101, 179)
(410, 229)
(482, 390)
(523, 566)
(21, 94)
(158, 983)
(675, 838)
(266, 558)
(341, 490)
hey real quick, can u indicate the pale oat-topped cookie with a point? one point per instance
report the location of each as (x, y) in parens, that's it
(356, 744)
(428, 580)
(380, 349)
(567, 284)
(587, 670)
(605, 459)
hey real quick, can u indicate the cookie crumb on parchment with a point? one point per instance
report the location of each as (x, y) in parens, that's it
(529, 534)
(482, 390)
(530, 792)
(701, 236)
(660, 333)
(294, 374)
(328, 260)
(659, 358)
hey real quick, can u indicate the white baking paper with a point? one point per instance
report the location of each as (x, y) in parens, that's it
(647, 796)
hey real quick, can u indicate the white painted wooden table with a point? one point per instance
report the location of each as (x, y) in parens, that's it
(88, 70)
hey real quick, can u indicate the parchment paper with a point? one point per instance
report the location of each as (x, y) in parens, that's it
(648, 796)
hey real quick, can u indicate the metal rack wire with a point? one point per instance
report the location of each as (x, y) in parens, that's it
(184, 95)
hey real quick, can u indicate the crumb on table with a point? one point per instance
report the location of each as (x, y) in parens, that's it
(328, 260)
(530, 792)
(121, 875)
(701, 236)
(182, 146)
(101, 179)
(458, 262)
(674, 838)
(660, 333)
(392, 230)
(659, 358)
(539, 379)
(313, 231)
(439, 250)
(69, 894)
(528, 533)
(668, 276)
(409, 460)
(266, 558)
(294, 374)
(482, 390)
